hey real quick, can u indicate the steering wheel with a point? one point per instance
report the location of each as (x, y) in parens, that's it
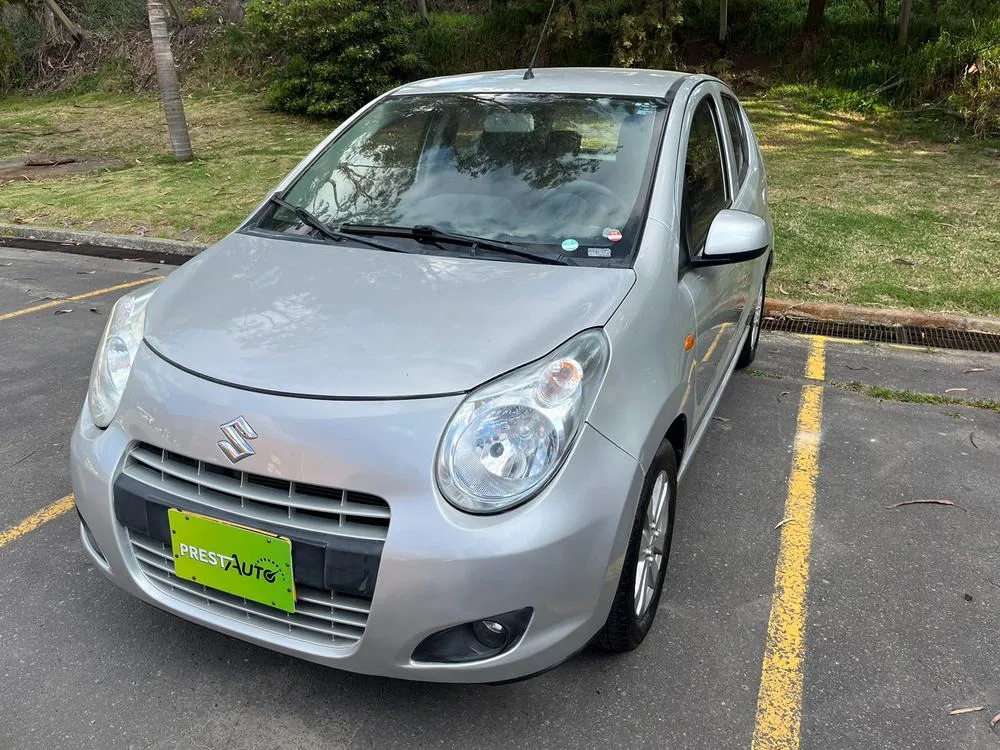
(593, 194)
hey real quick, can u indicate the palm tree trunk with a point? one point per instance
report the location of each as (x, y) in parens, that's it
(170, 88)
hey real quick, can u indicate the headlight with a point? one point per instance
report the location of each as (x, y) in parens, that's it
(115, 355)
(509, 437)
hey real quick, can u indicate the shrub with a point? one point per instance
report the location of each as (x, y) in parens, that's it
(467, 43)
(201, 14)
(332, 56)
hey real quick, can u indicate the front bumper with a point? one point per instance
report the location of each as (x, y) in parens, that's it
(560, 554)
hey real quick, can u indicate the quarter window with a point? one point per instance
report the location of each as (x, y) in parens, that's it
(741, 149)
(704, 178)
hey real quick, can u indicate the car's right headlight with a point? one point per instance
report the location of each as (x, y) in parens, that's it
(508, 438)
(116, 353)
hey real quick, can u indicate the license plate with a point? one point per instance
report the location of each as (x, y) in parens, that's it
(255, 565)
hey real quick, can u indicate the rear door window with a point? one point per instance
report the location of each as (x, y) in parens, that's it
(704, 178)
(741, 150)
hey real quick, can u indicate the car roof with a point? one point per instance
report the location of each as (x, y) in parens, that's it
(596, 81)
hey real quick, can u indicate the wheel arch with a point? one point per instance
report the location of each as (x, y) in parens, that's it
(677, 435)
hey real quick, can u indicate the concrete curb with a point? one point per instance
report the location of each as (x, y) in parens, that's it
(99, 239)
(879, 316)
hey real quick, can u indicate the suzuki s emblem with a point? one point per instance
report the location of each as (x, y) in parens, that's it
(238, 434)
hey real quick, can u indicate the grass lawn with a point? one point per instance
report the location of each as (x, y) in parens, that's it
(865, 213)
(242, 150)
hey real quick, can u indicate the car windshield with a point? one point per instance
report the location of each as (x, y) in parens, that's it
(563, 175)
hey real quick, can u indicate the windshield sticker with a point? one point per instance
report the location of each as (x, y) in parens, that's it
(614, 235)
(598, 252)
(570, 245)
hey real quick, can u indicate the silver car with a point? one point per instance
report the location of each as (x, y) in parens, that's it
(424, 413)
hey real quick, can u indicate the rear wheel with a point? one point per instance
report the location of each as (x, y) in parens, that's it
(749, 350)
(641, 582)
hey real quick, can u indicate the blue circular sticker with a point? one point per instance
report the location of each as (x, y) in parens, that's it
(570, 245)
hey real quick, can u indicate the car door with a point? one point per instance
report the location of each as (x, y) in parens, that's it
(718, 292)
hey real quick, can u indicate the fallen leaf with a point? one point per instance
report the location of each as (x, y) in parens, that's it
(924, 502)
(783, 394)
(63, 311)
(94, 310)
(971, 709)
(994, 721)
(971, 369)
(857, 368)
(6, 264)
(783, 521)
(955, 390)
(85, 273)
(720, 419)
(972, 439)
(903, 262)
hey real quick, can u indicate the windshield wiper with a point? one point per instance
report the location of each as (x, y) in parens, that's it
(311, 220)
(429, 233)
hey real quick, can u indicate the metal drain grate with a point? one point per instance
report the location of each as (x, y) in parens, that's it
(938, 338)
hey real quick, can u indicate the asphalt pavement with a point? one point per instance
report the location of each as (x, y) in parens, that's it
(899, 623)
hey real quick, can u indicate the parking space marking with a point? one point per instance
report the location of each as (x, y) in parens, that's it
(779, 701)
(78, 297)
(32, 522)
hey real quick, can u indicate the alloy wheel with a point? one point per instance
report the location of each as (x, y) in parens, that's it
(652, 545)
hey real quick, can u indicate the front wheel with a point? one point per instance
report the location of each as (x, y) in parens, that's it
(749, 350)
(641, 581)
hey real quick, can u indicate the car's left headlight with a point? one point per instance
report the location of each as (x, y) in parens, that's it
(116, 353)
(509, 437)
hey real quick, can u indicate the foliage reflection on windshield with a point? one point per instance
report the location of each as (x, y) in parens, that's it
(539, 169)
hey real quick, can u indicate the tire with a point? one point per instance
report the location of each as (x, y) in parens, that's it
(627, 623)
(749, 351)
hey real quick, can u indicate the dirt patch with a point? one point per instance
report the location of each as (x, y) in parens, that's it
(40, 167)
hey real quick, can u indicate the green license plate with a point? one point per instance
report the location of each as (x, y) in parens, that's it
(243, 562)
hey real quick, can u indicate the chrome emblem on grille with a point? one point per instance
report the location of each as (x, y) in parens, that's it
(238, 434)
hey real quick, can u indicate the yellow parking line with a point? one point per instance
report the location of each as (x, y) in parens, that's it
(35, 520)
(779, 702)
(77, 297)
(837, 340)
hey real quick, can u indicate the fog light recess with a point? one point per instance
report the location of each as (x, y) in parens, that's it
(474, 641)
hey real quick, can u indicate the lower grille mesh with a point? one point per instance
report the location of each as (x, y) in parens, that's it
(320, 617)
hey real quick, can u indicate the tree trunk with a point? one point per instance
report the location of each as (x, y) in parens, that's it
(904, 21)
(814, 17)
(175, 12)
(74, 31)
(881, 15)
(170, 88)
(422, 9)
(233, 11)
(723, 20)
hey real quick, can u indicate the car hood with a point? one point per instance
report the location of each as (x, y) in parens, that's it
(333, 321)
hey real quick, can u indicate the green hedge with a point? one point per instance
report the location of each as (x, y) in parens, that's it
(332, 56)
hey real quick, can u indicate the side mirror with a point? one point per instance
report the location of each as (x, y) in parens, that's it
(734, 237)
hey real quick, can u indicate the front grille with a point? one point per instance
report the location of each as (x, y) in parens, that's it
(261, 499)
(320, 617)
